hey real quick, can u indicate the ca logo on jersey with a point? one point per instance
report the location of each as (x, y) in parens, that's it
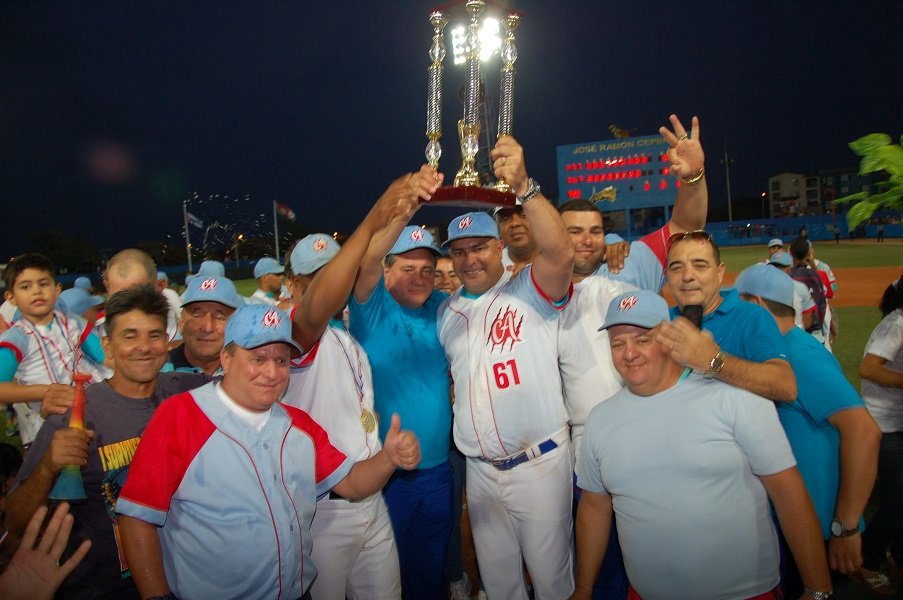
(505, 329)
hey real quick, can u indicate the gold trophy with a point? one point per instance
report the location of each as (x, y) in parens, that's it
(466, 190)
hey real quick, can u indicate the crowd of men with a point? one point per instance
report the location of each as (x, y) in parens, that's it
(313, 440)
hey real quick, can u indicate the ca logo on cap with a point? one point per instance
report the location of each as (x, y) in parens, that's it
(271, 319)
(627, 303)
(208, 285)
(417, 235)
(319, 245)
(465, 223)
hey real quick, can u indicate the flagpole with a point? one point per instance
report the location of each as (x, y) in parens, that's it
(187, 241)
(276, 229)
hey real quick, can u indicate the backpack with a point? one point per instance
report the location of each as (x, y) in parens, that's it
(811, 280)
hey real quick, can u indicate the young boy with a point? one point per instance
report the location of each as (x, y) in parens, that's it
(41, 350)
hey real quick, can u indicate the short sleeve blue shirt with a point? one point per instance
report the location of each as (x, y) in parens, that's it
(410, 372)
(743, 329)
(822, 391)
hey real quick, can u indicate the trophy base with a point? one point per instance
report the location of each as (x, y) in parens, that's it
(472, 197)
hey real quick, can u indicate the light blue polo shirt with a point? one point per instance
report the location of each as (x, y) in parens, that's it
(743, 329)
(410, 372)
(822, 391)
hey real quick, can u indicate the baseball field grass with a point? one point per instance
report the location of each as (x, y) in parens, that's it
(863, 269)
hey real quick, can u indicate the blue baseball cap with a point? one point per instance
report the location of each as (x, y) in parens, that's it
(83, 283)
(638, 307)
(412, 238)
(312, 253)
(255, 325)
(208, 288)
(76, 300)
(472, 224)
(776, 242)
(266, 266)
(162, 275)
(212, 267)
(766, 282)
(782, 259)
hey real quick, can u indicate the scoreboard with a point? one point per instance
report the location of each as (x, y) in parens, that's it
(618, 175)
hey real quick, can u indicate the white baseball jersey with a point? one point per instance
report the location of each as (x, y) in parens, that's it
(334, 385)
(47, 354)
(503, 351)
(261, 297)
(355, 550)
(588, 375)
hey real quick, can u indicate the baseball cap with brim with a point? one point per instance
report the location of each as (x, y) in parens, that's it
(499, 209)
(255, 325)
(781, 259)
(207, 288)
(414, 238)
(766, 282)
(83, 283)
(77, 300)
(267, 266)
(472, 224)
(638, 307)
(312, 253)
(162, 275)
(212, 267)
(776, 242)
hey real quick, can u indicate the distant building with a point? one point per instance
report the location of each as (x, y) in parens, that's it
(798, 194)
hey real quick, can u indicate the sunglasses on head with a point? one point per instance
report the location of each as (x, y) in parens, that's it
(700, 235)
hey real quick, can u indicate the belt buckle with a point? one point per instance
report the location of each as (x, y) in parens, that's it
(506, 464)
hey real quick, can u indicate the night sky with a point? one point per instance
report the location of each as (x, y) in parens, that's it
(112, 113)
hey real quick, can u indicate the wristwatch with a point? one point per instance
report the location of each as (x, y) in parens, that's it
(818, 595)
(838, 529)
(715, 366)
(532, 190)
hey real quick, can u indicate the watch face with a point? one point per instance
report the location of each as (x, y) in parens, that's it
(836, 528)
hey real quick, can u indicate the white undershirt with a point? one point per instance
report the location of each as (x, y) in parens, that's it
(255, 419)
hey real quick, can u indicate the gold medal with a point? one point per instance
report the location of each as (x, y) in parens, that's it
(368, 421)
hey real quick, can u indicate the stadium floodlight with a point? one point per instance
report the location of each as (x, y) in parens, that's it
(490, 40)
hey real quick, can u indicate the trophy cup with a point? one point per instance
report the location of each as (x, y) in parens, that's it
(466, 190)
(69, 484)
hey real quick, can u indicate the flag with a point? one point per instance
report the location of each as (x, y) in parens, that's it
(284, 211)
(194, 220)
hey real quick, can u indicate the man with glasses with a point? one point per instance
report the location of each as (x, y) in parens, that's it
(736, 342)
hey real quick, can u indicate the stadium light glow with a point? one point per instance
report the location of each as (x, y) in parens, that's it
(490, 40)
